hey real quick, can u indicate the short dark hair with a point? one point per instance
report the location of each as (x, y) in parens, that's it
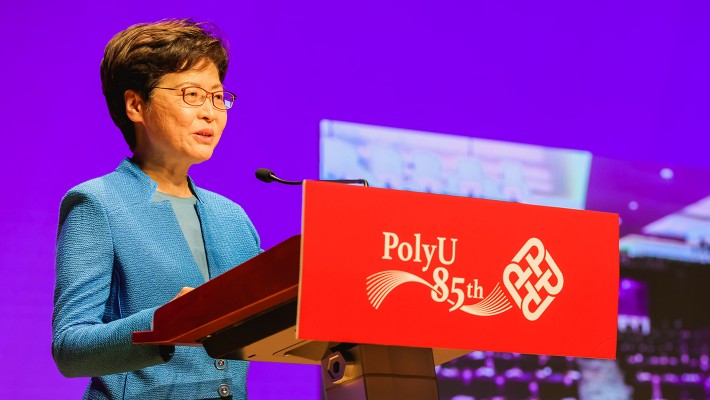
(136, 58)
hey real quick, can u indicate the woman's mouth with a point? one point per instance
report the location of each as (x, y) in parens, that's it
(205, 136)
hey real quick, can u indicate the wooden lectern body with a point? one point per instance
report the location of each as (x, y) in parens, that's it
(233, 318)
(352, 295)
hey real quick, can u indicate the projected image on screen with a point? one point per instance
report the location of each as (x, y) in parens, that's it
(421, 161)
(663, 347)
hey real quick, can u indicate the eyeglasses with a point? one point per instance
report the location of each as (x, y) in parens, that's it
(196, 96)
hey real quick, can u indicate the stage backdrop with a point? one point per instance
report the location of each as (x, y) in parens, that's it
(627, 81)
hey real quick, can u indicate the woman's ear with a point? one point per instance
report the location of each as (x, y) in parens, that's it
(134, 106)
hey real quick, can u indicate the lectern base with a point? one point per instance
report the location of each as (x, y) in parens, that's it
(375, 372)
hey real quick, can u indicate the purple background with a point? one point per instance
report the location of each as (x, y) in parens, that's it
(626, 81)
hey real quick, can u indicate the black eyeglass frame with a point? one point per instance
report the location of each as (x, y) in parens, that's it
(207, 94)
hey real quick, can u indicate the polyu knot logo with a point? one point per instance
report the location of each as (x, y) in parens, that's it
(464, 293)
(539, 291)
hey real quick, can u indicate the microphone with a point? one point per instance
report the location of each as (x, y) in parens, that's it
(268, 176)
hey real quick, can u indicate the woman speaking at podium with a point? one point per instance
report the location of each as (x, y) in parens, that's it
(130, 241)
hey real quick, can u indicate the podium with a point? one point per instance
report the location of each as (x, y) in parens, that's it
(234, 319)
(383, 285)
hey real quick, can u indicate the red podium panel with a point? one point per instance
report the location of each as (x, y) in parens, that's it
(412, 269)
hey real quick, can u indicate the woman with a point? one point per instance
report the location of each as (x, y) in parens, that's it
(130, 241)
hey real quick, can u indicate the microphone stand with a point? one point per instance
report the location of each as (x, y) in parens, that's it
(268, 176)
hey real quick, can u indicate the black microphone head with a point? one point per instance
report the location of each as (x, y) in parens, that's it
(265, 175)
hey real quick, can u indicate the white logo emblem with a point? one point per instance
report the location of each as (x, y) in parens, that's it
(523, 278)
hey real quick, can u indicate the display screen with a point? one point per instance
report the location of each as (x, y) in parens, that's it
(663, 217)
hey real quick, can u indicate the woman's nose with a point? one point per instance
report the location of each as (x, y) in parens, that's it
(207, 110)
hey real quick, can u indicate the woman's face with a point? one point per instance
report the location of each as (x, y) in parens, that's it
(171, 131)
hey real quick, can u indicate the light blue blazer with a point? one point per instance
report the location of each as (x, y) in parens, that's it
(119, 256)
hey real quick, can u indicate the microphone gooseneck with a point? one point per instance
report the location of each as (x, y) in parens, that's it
(268, 176)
